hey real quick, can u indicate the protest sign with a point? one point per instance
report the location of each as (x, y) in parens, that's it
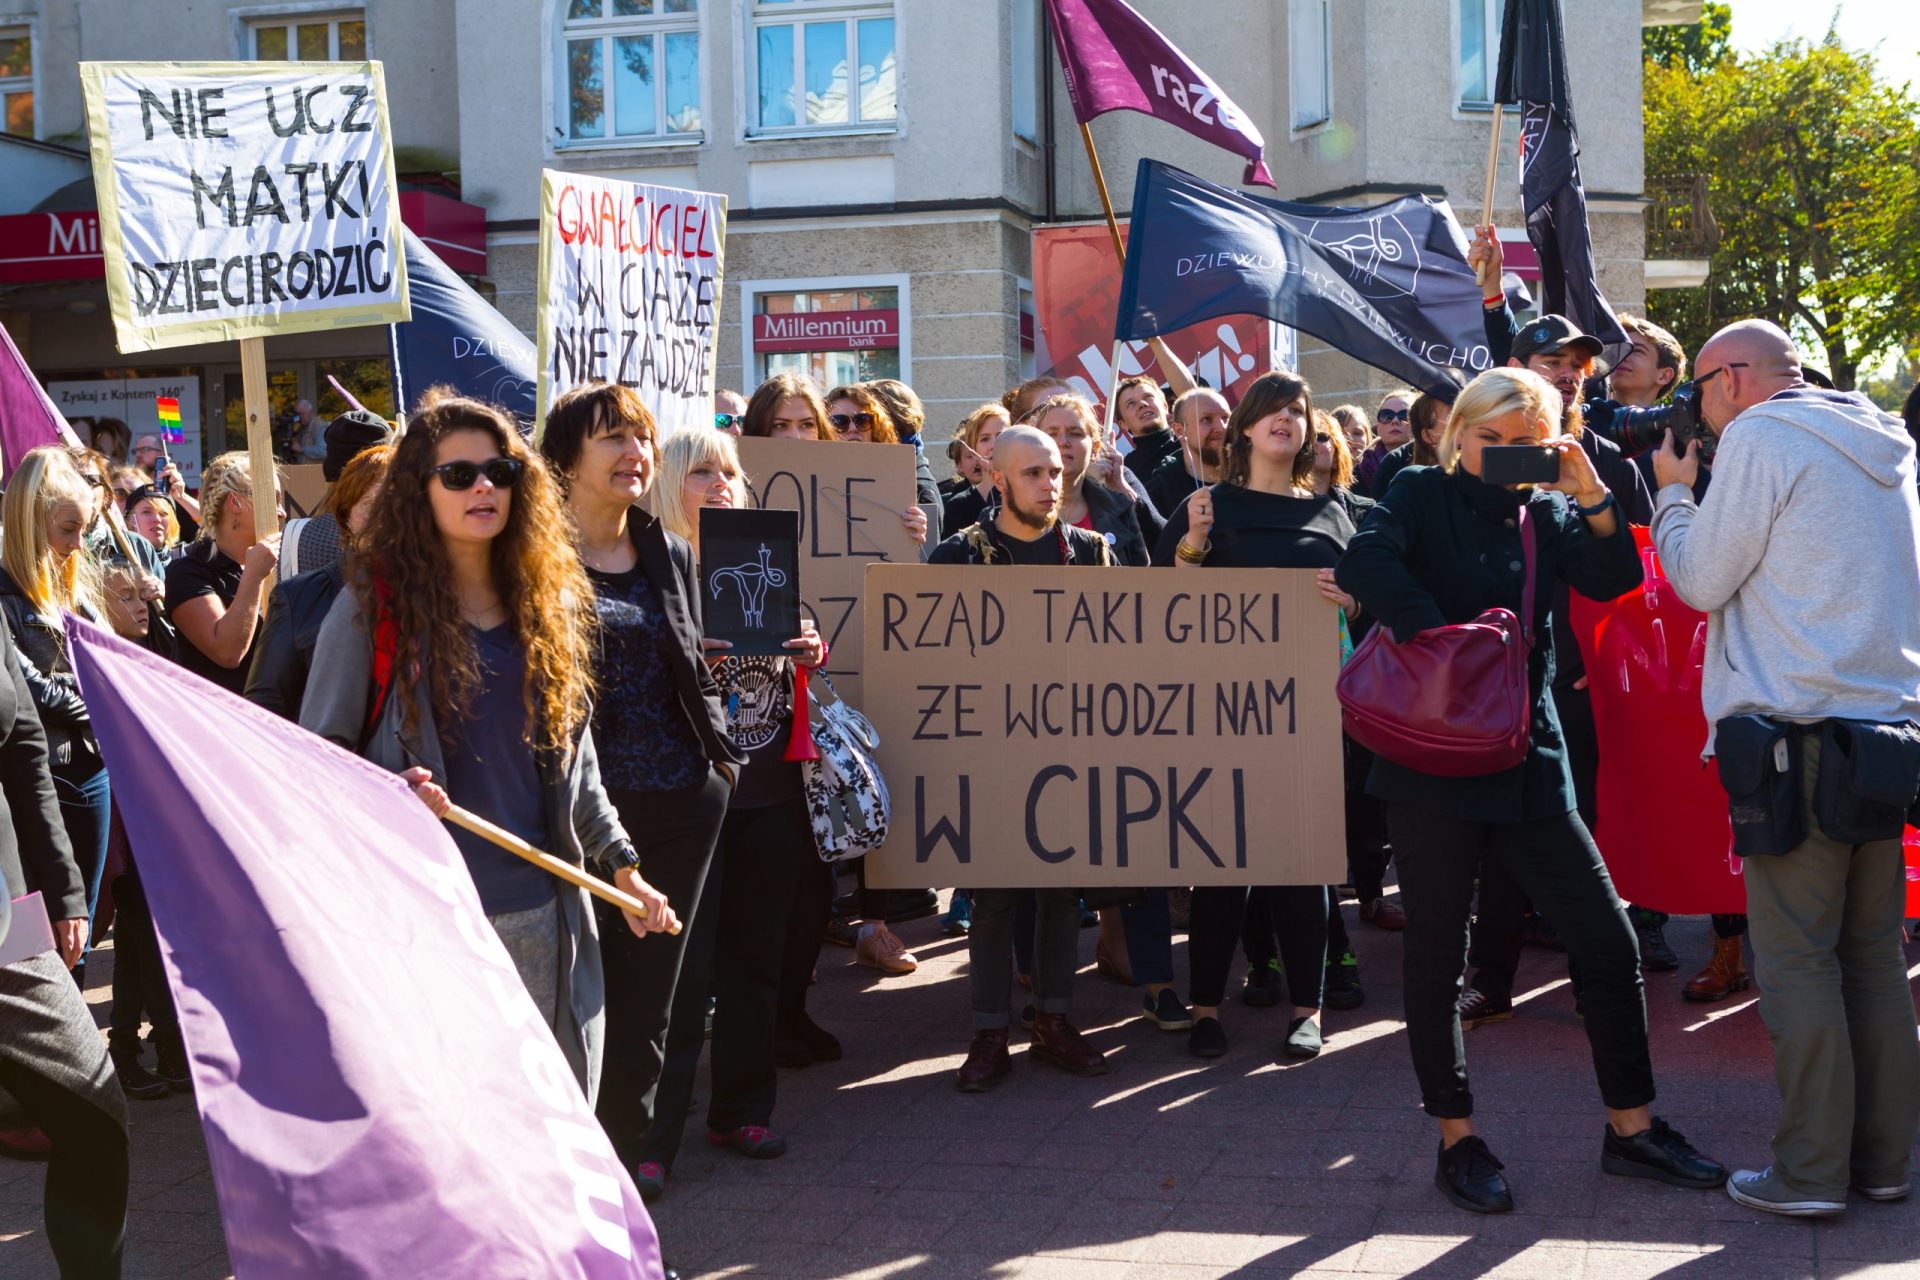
(750, 579)
(849, 498)
(135, 401)
(239, 199)
(1105, 727)
(303, 487)
(629, 292)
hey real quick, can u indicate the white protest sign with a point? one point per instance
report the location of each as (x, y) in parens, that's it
(241, 199)
(132, 401)
(629, 292)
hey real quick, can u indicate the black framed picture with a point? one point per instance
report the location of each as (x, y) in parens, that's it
(750, 578)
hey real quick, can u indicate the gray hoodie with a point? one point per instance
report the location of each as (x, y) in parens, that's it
(1807, 557)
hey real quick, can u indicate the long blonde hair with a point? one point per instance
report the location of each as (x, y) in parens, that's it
(680, 453)
(46, 481)
(1494, 394)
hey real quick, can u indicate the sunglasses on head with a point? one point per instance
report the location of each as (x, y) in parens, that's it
(501, 473)
(1395, 415)
(841, 421)
(728, 421)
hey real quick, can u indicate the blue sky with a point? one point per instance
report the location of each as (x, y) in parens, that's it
(1889, 27)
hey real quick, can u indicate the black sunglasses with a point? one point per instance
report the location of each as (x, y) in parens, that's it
(1395, 415)
(501, 473)
(1323, 438)
(841, 421)
(728, 421)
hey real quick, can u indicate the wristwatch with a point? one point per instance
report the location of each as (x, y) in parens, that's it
(623, 857)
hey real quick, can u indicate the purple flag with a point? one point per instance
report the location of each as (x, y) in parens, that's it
(1115, 60)
(27, 417)
(379, 1094)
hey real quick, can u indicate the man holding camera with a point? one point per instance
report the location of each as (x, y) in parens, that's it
(1812, 685)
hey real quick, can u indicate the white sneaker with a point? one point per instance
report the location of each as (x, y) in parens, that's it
(1885, 1194)
(1761, 1191)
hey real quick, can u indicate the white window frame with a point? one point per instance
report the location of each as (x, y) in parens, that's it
(1323, 110)
(559, 29)
(1490, 17)
(750, 291)
(29, 24)
(1028, 31)
(796, 14)
(252, 18)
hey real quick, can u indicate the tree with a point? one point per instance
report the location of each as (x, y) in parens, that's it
(1698, 47)
(1813, 173)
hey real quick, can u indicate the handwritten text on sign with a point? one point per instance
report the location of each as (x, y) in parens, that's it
(1095, 727)
(242, 199)
(629, 292)
(849, 497)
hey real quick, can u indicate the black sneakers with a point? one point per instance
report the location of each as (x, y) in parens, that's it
(1208, 1039)
(135, 1080)
(1663, 1154)
(1469, 1176)
(1343, 990)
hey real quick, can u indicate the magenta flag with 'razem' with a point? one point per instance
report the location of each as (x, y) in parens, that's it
(28, 419)
(1115, 60)
(380, 1096)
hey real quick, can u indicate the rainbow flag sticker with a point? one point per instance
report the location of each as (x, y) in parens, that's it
(171, 431)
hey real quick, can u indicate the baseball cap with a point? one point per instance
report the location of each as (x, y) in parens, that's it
(1549, 334)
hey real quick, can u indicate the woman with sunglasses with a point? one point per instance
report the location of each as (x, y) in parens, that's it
(1264, 515)
(1390, 431)
(461, 658)
(1426, 420)
(787, 406)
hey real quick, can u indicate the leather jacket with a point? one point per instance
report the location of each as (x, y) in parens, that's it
(277, 680)
(40, 642)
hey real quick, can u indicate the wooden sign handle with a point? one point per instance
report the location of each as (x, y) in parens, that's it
(547, 862)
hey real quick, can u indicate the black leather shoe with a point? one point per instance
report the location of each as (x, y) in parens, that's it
(1470, 1177)
(1663, 1154)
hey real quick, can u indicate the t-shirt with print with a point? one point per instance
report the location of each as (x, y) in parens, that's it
(758, 695)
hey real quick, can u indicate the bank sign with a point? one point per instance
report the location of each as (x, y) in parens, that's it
(827, 331)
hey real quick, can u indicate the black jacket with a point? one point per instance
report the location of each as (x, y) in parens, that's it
(277, 680)
(973, 545)
(962, 509)
(1131, 526)
(41, 655)
(667, 561)
(1150, 450)
(34, 851)
(1391, 464)
(1443, 548)
(1170, 484)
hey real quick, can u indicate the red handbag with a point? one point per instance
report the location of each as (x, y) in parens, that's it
(1453, 701)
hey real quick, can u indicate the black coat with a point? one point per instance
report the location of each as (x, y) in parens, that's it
(1150, 450)
(667, 561)
(41, 645)
(1443, 548)
(1132, 527)
(34, 850)
(277, 680)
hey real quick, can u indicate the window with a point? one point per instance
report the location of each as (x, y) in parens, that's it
(832, 334)
(1029, 30)
(1309, 65)
(823, 65)
(631, 70)
(303, 37)
(1480, 22)
(16, 80)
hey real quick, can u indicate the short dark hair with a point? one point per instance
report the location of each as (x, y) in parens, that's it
(588, 410)
(1912, 412)
(1270, 393)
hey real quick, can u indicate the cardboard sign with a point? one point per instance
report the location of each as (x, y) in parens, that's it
(303, 487)
(1105, 727)
(849, 497)
(135, 402)
(750, 578)
(628, 291)
(241, 199)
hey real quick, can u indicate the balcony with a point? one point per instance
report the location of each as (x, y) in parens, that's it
(1681, 232)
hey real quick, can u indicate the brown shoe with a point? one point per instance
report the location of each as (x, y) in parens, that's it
(1382, 914)
(1056, 1043)
(880, 948)
(987, 1062)
(1726, 973)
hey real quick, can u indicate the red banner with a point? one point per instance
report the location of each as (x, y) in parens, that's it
(1663, 825)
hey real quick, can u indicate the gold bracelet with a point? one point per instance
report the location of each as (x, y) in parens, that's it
(1188, 556)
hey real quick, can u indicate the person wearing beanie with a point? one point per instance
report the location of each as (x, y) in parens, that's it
(314, 543)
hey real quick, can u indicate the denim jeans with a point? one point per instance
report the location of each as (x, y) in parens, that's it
(86, 809)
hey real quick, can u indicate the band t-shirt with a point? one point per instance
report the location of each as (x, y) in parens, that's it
(758, 695)
(205, 570)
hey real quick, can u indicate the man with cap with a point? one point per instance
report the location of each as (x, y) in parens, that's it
(314, 543)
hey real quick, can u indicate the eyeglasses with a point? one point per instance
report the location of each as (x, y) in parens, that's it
(501, 473)
(1700, 380)
(1395, 415)
(729, 421)
(842, 421)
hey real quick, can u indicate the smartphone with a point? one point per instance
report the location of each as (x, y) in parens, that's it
(1519, 464)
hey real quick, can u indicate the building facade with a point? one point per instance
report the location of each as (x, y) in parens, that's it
(885, 161)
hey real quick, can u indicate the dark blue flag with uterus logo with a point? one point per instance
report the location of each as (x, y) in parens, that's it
(1388, 285)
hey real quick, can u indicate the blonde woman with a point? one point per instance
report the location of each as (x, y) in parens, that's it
(1093, 495)
(214, 588)
(978, 430)
(1441, 547)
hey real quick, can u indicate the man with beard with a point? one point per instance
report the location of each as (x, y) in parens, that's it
(1200, 424)
(1023, 527)
(1141, 411)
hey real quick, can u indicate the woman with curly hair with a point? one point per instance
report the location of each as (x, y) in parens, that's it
(461, 658)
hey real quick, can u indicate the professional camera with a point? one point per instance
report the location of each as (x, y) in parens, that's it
(1637, 430)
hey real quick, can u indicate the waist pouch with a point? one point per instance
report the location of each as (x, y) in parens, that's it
(1760, 762)
(1869, 777)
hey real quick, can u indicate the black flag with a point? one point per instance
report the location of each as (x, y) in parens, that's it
(1533, 73)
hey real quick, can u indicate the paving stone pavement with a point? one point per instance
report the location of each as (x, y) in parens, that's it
(1248, 1166)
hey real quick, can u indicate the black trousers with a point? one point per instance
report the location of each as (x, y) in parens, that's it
(139, 979)
(738, 937)
(86, 1189)
(806, 932)
(674, 833)
(1367, 852)
(1556, 863)
(1296, 915)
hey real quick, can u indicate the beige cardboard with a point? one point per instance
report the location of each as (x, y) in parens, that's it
(302, 489)
(849, 497)
(1206, 720)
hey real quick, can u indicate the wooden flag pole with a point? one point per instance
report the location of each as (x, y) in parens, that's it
(253, 382)
(1493, 171)
(1120, 252)
(547, 862)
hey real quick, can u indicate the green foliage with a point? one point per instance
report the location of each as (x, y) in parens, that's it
(1813, 168)
(1699, 47)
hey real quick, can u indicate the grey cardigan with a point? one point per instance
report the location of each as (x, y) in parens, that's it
(581, 818)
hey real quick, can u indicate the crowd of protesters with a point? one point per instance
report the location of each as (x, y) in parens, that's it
(561, 688)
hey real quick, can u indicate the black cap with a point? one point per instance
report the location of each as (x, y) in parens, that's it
(1549, 334)
(349, 434)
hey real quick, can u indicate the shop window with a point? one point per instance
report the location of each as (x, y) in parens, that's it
(1479, 50)
(16, 80)
(631, 71)
(823, 65)
(834, 336)
(306, 37)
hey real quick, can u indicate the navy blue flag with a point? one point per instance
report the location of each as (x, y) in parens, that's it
(1389, 285)
(457, 339)
(1533, 73)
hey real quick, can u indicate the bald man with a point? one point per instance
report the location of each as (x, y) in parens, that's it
(1806, 557)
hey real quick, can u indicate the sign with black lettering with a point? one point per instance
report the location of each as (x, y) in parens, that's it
(850, 498)
(750, 579)
(629, 292)
(1105, 727)
(241, 199)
